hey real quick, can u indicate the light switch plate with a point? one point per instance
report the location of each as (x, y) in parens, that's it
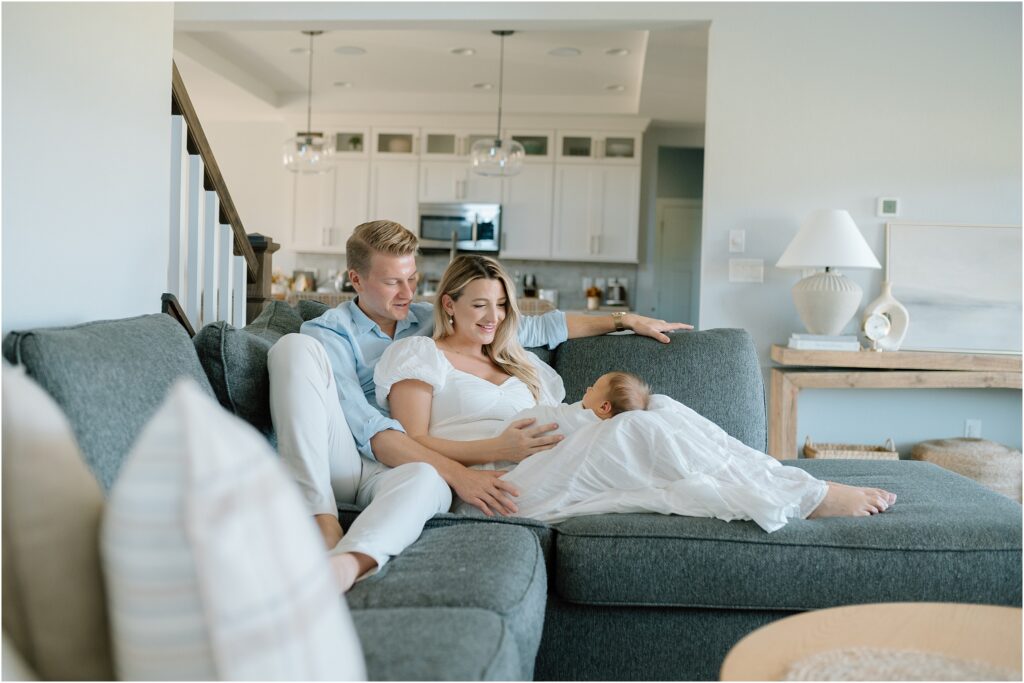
(746, 270)
(737, 241)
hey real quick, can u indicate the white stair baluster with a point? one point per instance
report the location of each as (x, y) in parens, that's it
(193, 258)
(179, 207)
(210, 226)
(224, 282)
(238, 291)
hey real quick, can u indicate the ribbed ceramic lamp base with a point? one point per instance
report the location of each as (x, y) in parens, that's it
(826, 301)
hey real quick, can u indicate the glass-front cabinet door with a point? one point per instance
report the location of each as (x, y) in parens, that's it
(537, 144)
(351, 143)
(610, 147)
(395, 143)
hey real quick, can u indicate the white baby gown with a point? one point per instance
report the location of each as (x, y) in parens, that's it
(667, 459)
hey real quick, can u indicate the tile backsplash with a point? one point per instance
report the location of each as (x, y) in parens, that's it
(565, 276)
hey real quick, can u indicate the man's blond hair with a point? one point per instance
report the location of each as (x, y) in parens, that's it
(382, 237)
(627, 392)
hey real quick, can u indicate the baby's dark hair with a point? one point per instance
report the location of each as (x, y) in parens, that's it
(627, 392)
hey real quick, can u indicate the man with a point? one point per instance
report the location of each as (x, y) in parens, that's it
(342, 447)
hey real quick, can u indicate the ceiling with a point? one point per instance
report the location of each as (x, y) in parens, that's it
(256, 74)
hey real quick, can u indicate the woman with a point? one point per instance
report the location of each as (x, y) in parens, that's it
(452, 393)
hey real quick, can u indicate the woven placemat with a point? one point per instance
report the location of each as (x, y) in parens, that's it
(879, 664)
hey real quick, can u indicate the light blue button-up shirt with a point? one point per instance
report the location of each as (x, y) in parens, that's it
(354, 344)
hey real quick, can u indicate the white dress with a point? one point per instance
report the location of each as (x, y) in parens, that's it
(667, 459)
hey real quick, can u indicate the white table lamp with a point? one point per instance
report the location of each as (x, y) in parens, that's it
(827, 239)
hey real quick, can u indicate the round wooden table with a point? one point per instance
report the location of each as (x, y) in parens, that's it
(975, 632)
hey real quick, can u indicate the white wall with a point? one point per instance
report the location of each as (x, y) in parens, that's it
(833, 105)
(86, 149)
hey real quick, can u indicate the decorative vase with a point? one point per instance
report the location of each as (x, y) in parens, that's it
(897, 314)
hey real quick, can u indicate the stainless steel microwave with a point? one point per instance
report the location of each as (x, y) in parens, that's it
(466, 227)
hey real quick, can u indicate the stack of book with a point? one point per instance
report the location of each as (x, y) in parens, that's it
(824, 342)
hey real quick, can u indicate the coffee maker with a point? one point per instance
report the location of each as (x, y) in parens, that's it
(615, 294)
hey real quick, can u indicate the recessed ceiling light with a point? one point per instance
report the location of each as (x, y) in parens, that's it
(349, 50)
(342, 84)
(463, 51)
(617, 52)
(565, 52)
(615, 87)
(299, 50)
(483, 86)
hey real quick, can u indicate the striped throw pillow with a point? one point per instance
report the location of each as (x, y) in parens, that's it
(214, 568)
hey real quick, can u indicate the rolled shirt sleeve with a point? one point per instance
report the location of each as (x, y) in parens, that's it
(548, 330)
(364, 419)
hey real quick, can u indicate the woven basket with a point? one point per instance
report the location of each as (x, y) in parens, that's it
(989, 463)
(850, 451)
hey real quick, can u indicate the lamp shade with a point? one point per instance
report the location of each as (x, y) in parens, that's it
(497, 157)
(828, 238)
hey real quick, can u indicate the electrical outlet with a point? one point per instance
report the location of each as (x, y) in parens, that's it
(746, 270)
(972, 428)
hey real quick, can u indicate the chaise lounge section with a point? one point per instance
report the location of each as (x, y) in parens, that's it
(626, 597)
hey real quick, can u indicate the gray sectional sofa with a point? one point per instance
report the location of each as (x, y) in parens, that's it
(605, 597)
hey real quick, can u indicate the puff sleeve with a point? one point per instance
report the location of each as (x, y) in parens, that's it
(411, 358)
(552, 389)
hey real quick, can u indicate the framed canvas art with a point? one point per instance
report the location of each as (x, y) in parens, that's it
(961, 285)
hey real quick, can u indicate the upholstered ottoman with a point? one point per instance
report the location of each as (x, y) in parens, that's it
(465, 603)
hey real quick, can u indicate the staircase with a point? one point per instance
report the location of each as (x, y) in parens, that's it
(215, 270)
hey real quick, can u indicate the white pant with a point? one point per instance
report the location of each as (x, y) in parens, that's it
(315, 443)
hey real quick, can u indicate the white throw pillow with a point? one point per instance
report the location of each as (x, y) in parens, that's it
(54, 610)
(214, 567)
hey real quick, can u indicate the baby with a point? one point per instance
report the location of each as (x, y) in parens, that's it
(611, 394)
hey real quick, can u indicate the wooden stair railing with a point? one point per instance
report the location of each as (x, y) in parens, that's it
(256, 250)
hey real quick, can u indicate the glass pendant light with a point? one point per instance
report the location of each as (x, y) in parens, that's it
(308, 151)
(497, 157)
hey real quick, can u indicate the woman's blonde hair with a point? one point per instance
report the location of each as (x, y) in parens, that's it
(505, 351)
(382, 237)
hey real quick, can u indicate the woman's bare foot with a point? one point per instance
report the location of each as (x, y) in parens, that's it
(330, 529)
(347, 567)
(851, 501)
(889, 497)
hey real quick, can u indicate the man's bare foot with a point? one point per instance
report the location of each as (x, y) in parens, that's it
(347, 567)
(851, 501)
(330, 529)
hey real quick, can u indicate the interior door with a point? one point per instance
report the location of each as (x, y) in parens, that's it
(677, 264)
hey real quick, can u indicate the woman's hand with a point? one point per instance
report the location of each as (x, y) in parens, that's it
(484, 489)
(520, 440)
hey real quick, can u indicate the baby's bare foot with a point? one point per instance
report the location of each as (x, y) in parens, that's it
(345, 569)
(851, 501)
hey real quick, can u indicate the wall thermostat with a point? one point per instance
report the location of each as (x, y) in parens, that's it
(888, 207)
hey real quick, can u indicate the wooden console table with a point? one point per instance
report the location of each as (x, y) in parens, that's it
(874, 370)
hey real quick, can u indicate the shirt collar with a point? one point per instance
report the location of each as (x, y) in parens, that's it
(364, 323)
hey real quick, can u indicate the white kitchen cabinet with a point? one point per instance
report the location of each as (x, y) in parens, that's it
(538, 145)
(620, 148)
(351, 143)
(448, 144)
(454, 181)
(526, 205)
(351, 200)
(393, 192)
(312, 210)
(596, 213)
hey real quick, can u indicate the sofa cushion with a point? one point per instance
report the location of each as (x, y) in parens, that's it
(715, 372)
(947, 539)
(235, 362)
(438, 644)
(498, 568)
(214, 568)
(54, 607)
(310, 309)
(108, 377)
